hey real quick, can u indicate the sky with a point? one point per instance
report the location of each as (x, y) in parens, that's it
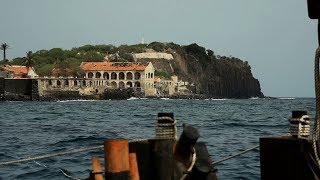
(276, 37)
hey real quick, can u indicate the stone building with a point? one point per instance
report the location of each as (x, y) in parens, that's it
(121, 75)
(13, 71)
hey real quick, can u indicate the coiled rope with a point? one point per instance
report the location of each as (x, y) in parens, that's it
(166, 128)
(315, 137)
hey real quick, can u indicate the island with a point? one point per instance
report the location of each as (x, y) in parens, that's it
(155, 70)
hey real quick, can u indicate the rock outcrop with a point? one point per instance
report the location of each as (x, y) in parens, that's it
(211, 75)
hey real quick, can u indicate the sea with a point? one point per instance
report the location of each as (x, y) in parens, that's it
(227, 126)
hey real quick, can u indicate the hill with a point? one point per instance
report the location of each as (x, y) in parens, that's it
(209, 74)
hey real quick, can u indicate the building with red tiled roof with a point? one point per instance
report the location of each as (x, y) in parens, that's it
(20, 71)
(121, 75)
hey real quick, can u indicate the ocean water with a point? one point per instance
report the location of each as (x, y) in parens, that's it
(227, 127)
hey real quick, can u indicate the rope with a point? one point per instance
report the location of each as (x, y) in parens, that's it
(60, 169)
(315, 136)
(235, 155)
(88, 149)
(67, 175)
(165, 129)
(62, 153)
(193, 162)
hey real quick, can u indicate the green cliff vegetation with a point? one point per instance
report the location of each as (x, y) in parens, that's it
(46, 60)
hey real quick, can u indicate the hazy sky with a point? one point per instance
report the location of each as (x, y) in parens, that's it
(275, 37)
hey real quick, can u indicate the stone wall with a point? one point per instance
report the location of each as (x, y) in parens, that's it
(19, 89)
(18, 86)
(2, 88)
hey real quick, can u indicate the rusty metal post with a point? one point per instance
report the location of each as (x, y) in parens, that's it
(96, 167)
(116, 155)
(134, 171)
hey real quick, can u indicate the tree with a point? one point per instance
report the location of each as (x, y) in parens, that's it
(4, 48)
(28, 61)
(210, 53)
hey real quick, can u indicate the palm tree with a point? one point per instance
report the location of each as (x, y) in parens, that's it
(28, 61)
(4, 48)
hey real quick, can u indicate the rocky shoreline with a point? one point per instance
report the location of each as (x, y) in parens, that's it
(110, 95)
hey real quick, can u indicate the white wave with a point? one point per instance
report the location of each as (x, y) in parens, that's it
(287, 98)
(219, 99)
(132, 98)
(165, 98)
(77, 100)
(135, 98)
(254, 98)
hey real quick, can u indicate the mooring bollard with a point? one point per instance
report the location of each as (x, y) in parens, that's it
(185, 146)
(134, 171)
(162, 158)
(116, 155)
(166, 126)
(184, 151)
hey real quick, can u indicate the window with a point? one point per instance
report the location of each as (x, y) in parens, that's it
(129, 76)
(98, 75)
(121, 75)
(105, 75)
(137, 76)
(90, 75)
(113, 75)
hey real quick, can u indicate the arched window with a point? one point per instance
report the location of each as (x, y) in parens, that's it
(148, 75)
(137, 76)
(90, 83)
(75, 82)
(129, 84)
(98, 75)
(90, 75)
(121, 85)
(137, 84)
(151, 75)
(105, 75)
(84, 83)
(113, 84)
(129, 76)
(58, 83)
(50, 83)
(113, 75)
(66, 83)
(121, 75)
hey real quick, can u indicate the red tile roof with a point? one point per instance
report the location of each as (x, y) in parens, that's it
(18, 71)
(113, 66)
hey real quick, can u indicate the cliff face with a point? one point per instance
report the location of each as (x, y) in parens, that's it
(215, 76)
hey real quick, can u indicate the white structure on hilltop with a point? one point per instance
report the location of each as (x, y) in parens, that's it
(152, 55)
